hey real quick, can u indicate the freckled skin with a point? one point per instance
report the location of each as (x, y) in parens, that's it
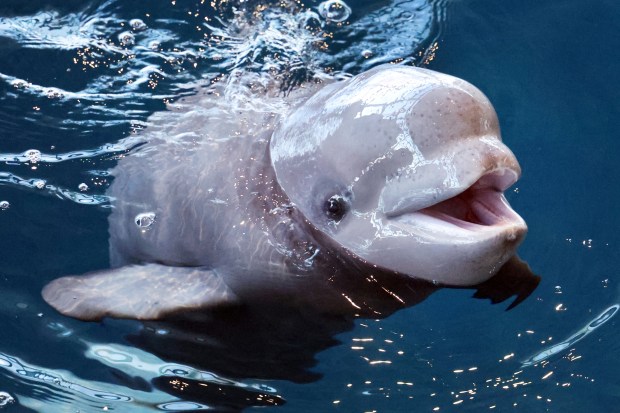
(239, 195)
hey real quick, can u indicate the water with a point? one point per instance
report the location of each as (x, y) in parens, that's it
(78, 80)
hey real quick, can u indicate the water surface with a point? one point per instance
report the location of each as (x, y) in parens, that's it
(79, 79)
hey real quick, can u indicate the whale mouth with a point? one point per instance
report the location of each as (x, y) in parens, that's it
(482, 207)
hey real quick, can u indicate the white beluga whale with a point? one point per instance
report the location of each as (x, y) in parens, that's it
(339, 196)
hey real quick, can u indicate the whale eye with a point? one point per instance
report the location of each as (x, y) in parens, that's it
(335, 207)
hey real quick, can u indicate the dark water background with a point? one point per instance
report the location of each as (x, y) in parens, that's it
(551, 70)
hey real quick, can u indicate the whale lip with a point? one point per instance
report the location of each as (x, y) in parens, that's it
(481, 207)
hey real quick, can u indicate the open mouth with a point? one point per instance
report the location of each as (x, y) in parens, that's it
(482, 204)
(480, 208)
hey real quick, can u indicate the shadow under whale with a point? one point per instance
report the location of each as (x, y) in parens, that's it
(280, 341)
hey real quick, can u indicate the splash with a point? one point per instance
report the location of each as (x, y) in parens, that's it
(114, 63)
(336, 11)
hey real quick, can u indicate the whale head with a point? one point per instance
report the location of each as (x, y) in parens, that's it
(404, 168)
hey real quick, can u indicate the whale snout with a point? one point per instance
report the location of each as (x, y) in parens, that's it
(514, 235)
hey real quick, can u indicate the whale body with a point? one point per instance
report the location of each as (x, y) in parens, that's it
(339, 196)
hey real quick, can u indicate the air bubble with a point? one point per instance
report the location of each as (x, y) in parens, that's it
(5, 398)
(155, 45)
(33, 155)
(83, 187)
(310, 21)
(126, 39)
(19, 84)
(334, 10)
(4, 205)
(137, 25)
(367, 53)
(145, 219)
(54, 93)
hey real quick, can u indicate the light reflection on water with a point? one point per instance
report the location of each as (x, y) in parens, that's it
(564, 345)
(65, 387)
(53, 380)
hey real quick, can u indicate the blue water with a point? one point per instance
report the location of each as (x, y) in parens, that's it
(72, 84)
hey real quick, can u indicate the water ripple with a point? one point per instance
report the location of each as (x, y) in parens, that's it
(33, 374)
(36, 184)
(558, 348)
(117, 148)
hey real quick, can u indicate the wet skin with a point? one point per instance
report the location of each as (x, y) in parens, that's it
(354, 197)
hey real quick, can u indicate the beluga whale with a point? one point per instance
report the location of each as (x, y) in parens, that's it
(342, 195)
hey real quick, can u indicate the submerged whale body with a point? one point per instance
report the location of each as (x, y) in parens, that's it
(355, 197)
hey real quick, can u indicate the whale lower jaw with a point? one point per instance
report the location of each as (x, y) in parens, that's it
(459, 241)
